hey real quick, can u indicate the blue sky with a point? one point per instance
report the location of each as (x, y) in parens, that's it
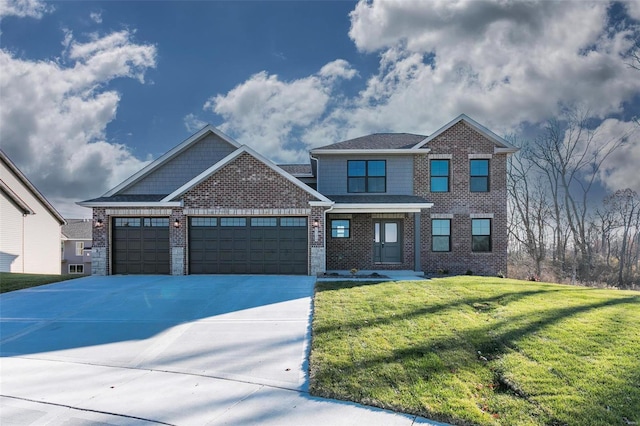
(92, 91)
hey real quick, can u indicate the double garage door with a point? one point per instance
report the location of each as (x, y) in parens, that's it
(248, 245)
(217, 245)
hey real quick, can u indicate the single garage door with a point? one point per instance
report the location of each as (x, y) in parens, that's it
(248, 245)
(140, 245)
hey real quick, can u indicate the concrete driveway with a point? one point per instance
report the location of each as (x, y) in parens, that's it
(196, 350)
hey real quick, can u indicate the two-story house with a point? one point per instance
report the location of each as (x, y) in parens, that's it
(383, 201)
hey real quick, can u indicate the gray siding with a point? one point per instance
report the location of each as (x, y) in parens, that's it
(332, 173)
(69, 256)
(181, 169)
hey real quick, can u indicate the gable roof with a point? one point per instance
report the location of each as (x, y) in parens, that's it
(34, 191)
(378, 141)
(77, 229)
(297, 169)
(220, 164)
(502, 146)
(208, 129)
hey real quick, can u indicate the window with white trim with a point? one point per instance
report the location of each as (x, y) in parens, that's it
(76, 269)
(79, 248)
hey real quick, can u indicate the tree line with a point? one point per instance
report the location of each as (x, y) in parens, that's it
(560, 229)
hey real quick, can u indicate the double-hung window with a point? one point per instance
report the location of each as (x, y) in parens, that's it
(479, 176)
(481, 234)
(366, 176)
(79, 248)
(441, 235)
(439, 181)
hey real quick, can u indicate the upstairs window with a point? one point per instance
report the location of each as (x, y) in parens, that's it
(481, 234)
(439, 181)
(367, 176)
(479, 179)
(441, 235)
(79, 248)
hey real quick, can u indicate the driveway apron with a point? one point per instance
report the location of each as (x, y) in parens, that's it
(192, 350)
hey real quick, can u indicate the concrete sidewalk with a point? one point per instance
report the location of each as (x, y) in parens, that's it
(197, 350)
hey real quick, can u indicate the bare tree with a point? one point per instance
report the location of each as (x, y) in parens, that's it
(626, 206)
(529, 203)
(570, 155)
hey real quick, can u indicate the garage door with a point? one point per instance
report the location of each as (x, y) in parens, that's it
(248, 245)
(140, 245)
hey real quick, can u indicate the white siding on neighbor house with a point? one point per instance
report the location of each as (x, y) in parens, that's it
(11, 240)
(41, 237)
(332, 173)
(181, 169)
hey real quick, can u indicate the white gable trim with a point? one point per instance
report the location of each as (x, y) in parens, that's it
(220, 164)
(27, 184)
(380, 207)
(503, 145)
(16, 199)
(145, 204)
(170, 155)
(345, 151)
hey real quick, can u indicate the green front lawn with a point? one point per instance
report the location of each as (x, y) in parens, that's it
(477, 350)
(11, 282)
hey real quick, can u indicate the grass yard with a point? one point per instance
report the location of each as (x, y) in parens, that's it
(12, 282)
(477, 350)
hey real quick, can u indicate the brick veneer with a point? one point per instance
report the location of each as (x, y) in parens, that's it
(246, 183)
(461, 141)
(357, 250)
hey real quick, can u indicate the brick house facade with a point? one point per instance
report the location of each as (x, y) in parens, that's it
(365, 203)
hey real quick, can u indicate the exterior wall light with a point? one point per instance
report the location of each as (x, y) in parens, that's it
(316, 226)
(176, 224)
(99, 223)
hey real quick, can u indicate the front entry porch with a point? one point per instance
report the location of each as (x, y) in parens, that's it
(371, 241)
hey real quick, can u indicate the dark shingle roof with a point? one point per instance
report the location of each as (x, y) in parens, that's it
(129, 198)
(296, 169)
(377, 199)
(379, 141)
(77, 229)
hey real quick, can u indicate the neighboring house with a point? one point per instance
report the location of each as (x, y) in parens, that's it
(29, 225)
(383, 201)
(76, 247)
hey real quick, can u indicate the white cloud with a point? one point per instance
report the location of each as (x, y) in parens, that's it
(633, 8)
(338, 69)
(620, 169)
(53, 117)
(24, 8)
(264, 112)
(96, 17)
(503, 63)
(192, 123)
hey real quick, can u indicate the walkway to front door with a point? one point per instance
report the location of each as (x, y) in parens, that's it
(387, 243)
